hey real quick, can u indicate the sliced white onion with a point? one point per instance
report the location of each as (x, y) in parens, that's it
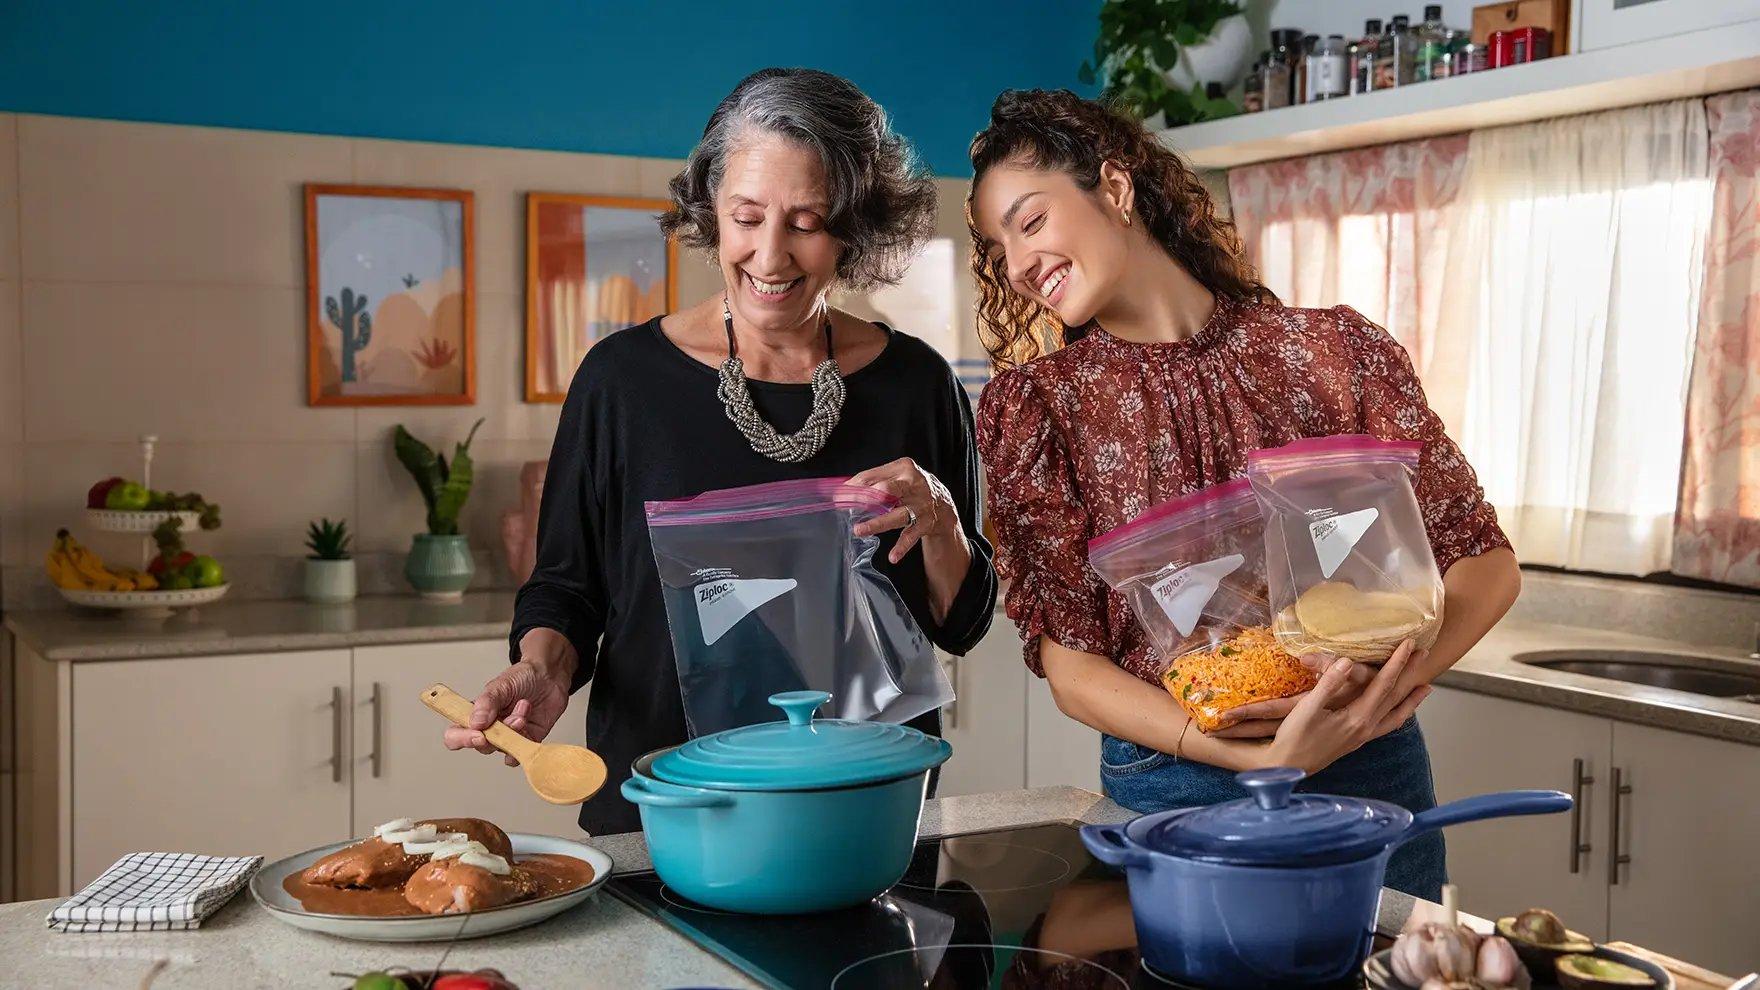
(424, 832)
(486, 861)
(448, 850)
(419, 848)
(394, 825)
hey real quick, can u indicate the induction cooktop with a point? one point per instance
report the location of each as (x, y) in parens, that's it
(1022, 907)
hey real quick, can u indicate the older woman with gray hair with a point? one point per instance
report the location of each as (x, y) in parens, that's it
(798, 185)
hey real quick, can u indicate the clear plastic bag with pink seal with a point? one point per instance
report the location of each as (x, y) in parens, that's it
(1193, 572)
(1348, 561)
(768, 589)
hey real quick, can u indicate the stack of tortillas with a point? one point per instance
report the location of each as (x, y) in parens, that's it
(1366, 626)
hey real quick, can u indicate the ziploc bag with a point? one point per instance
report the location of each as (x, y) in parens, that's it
(767, 589)
(1193, 572)
(1349, 564)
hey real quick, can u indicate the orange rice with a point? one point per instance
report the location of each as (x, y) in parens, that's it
(1247, 667)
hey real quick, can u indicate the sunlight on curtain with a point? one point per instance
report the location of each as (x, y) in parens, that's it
(1578, 275)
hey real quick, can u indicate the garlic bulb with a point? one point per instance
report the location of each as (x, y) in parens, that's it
(1432, 951)
(1498, 964)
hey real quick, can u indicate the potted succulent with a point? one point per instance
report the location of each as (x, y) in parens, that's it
(439, 563)
(329, 567)
(1156, 57)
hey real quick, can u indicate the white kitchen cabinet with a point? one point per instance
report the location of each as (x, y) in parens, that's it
(1060, 750)
(401, 770)
(1689, 825)
(1480, 744)
(986, 722)
(1689, 883)
(227, 755)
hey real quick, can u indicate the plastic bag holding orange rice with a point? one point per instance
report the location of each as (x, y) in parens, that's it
(1193, 571)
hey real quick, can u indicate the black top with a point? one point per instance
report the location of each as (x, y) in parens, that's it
(643, 422)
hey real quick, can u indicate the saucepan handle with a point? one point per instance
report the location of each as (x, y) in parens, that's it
(657, 794)
(1502, 804)
(1109, 846)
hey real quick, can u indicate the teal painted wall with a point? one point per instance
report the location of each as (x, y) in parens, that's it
(620, 78)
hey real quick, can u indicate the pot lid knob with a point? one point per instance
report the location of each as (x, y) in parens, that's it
(799, 706)
(1270, 788)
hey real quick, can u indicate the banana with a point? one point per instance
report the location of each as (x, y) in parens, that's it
(73, 565)
(61, 571)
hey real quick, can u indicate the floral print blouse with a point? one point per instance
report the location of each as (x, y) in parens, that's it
(1083, 439)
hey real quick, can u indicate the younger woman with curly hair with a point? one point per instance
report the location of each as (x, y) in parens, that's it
(1140, 358)
(798, 185)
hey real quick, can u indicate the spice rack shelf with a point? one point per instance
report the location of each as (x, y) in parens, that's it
(1695, 63)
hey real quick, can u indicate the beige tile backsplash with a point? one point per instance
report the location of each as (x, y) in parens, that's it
(152, 281)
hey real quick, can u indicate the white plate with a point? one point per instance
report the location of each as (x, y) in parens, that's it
(266, 888)
(161, 598)
(138, 520)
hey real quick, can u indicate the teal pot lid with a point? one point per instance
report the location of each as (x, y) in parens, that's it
(802, 752)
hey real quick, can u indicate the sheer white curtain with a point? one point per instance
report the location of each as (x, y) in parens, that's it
(1574, 286)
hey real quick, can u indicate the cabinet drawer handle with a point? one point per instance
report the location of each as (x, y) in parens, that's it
(1615, 858)
(1580, 782)
(378, 703)
(336, 716)
(953, 706)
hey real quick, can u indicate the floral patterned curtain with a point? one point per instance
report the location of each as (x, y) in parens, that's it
(1717, 525)
(1370, 228)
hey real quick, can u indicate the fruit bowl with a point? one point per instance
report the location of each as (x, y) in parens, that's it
(163, 599)
(137, 521)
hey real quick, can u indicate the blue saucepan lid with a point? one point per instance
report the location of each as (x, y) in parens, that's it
(1275, 827)
(801, 753)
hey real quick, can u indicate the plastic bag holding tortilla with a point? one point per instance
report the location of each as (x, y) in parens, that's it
(1193, 571)
(768, 589)
(1348, 563)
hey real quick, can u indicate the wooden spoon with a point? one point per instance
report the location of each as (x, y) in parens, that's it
(559, 772)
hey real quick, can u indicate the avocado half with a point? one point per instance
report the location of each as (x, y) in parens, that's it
(1539, 939)
(1579, 972)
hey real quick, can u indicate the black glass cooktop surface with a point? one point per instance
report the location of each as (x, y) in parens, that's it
(1020, 908)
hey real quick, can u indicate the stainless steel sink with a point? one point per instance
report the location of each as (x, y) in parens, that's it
(1708, 676)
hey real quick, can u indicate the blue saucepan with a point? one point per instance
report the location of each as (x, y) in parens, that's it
(1275, 890)
(786, 817)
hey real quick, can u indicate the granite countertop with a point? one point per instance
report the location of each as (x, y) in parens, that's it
(261, 627)
(602, 943)
(1491, 668)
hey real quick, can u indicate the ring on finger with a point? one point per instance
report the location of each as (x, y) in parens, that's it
(911, 515)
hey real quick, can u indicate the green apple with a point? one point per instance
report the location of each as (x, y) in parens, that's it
(178, 582)
(129, 496)
(205, 572)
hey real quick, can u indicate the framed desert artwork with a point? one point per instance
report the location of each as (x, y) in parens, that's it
(390, 302)
(594, 265)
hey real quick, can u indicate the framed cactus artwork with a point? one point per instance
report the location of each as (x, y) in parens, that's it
(594, 265)
(390, 297)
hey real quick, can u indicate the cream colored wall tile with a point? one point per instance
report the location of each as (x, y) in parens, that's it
(500, 178)
(8, 196)
(390, 509)
(267, 492)
(11, 366)
(501, 346)
(111, 201)
(110, 361)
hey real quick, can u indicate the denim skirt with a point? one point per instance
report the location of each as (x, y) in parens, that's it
(1395, 768)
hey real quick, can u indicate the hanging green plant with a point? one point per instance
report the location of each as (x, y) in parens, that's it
(1140, 40)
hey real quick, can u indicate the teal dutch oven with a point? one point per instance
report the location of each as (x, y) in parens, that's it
(786, 817)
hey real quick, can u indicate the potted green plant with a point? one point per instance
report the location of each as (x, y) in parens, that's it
(439, 563)
(1155, 57)
(330, 576)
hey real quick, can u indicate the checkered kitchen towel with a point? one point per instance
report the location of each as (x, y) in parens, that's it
(154, 892)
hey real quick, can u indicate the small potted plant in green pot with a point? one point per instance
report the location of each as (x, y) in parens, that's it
(329, 566)
(439, 563)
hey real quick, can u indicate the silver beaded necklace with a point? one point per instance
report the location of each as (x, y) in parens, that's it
(736, 397)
